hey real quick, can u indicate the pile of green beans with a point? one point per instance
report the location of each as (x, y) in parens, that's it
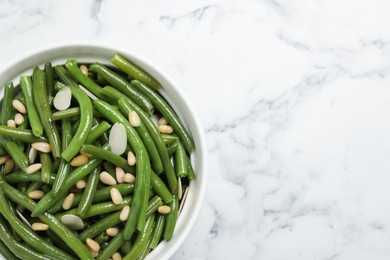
(63, 193)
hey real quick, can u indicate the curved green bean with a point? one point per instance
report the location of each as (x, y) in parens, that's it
(89, 193)
(160, 188)
(64, 75)
(171, 218)
(100, 226)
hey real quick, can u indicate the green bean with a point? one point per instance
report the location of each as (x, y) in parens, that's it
(86, 115)
(154, 203)
(2, 151)
(6, 108)
(46, 167)
(101, 195)
(190, 171)
(142, 183)
(44, 111)
(148, 142)
(146, 250)
(134, 72)
(141, 240)
(99, 208)
(125, 87)
(65, 76)
(112, 247)
(4, 250)
(10, 146)
(110, 168)
(89, 193)
(74, 70)
(16, 177)
(97, 131)
(101, 81)
(157, 230)
(100, 226)
(103, 237)
(126, 247)
(168, 112)
(77, 174)
(70, 112)
(25, 124)
(35, 121)
(181, 161)
(109, 156)
(49, 79)
(171, 149)
(169, 139)
(171, 218)
(22, 135)
(26, 233)
(160, 188)
(125, 103)
(21, 251)
(64, 167)
(55, 225)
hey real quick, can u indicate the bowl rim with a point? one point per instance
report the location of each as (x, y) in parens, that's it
(155, 70)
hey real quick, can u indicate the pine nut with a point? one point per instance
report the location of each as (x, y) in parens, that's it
(84, 70)
(131, 160)
(162, 121)
(119, 173)
(112, 232)
(8, 166)
(11, 123)
(94, 254)
(80, 184)
(116, 196)
(68, 201)
(19, 119)
(164, 209)
(124, 213)
(19, 106)
(116, 256)
(32, 155)
(39, 226)
(42, 147)
(93, 245)
(4, 159)
(33, 168)
(86, 154)
(134, 119)
(179, 188)
(79, 160)
(106, 178)
(129, 178)
(165, 129)
(36, 194)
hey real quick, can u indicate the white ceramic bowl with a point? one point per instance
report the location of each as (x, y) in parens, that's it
(90, 52)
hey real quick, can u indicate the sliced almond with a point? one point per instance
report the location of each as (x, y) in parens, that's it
(179, 188)
(116, 196)
(106, 178)
(68, 201)
(89, 94)
(62, 99)
(183, 201)
(25, 221)
(72, 222)
(79, 160)
(19, 119)
(124, 213)
(42, 147)
(8, 166)
(33, 168)
(119, 173)
(84, 70)
(19, 106)
(39, 226)
(134, 119)
(118, 139)
(131, 160)
(11, 123)
(36, 194)
(165, 129)
(129, 178)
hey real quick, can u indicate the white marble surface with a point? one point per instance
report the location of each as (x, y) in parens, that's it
(294, 97)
